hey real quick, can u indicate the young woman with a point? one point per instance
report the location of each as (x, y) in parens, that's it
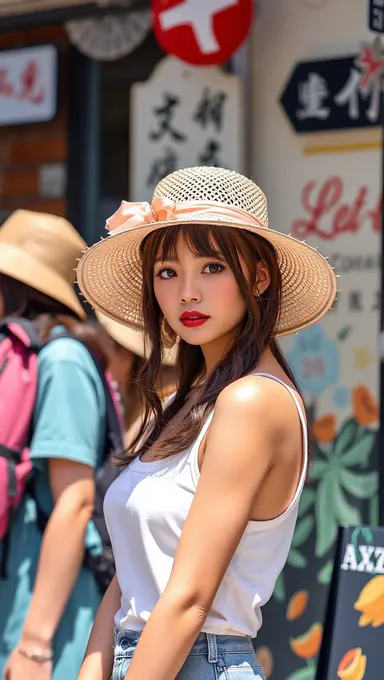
(48, 601)
(202, 517)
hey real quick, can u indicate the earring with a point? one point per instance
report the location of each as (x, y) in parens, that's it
(168, 335)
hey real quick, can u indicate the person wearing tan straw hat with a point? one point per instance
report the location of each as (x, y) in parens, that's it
(126, 360)
(202, 518)
(48, 599)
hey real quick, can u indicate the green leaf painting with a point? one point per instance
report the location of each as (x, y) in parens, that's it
(325, 574)
(307, 673)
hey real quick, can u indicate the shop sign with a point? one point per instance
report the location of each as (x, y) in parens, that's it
(183, 116)
(376, 16)
(352, 644)
(202, 33)
(28, 85)
(336, 94)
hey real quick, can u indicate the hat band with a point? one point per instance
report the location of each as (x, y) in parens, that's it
(162, 209)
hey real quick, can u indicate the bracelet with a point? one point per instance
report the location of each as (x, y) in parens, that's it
(38, 657)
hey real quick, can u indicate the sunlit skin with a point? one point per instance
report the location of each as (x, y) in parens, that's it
(208, 286)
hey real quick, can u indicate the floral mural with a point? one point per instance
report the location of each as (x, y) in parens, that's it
(342, 489)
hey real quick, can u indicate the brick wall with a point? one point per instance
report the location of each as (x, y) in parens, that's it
(26, 150)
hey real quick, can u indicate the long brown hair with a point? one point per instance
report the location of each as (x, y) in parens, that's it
(25, 301)
(238, 247)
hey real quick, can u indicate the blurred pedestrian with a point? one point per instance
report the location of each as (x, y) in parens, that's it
(48, 597)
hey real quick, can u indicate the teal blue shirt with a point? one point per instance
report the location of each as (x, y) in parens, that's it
(69, 422)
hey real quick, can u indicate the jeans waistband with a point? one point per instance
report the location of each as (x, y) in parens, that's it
(206, 644)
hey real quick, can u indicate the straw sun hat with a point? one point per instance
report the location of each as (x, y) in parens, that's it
(42, 251)
(110, 272)
(132, 339)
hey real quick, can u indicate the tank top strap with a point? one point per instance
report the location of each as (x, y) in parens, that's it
(304, 429)
(194, 450)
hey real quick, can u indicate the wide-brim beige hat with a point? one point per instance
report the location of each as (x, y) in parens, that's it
(42, 251)
(133, 339)
(110, 272)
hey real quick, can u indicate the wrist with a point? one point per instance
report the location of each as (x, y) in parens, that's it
(35, 654)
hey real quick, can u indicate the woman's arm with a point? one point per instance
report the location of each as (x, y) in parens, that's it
(98, 661)
(250, 418)
(62, 551)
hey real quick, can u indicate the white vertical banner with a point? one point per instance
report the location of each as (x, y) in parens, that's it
(183, 116)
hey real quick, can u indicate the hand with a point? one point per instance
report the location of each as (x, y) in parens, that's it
(21, 668)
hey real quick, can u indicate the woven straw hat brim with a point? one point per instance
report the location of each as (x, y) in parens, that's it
(110, 274)
(132, 340)
(20, 265)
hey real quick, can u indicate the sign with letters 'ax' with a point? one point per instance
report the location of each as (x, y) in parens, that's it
(353, 642)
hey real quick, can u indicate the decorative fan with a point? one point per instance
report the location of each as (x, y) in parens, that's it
(110, 37)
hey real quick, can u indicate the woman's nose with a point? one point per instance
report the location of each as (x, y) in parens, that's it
(189, 294)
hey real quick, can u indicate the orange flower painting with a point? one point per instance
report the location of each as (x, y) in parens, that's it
(324, 429)
(371, 603)
(307, 646)
(297, 605)
(365, 407)
(265, 659)
(352, 666)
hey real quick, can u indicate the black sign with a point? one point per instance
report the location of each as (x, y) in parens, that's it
(353, 641)
(376, 16)
(335, 94)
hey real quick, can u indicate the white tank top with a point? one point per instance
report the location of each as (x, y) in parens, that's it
(145, 510)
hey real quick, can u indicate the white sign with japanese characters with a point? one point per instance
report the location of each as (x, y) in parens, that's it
(28, 85)
(181, 117)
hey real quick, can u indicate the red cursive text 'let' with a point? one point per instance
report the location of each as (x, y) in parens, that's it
(329, 216)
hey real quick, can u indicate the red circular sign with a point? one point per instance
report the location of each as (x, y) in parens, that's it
(202, 33)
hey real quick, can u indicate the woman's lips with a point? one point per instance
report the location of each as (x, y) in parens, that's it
(193, 319)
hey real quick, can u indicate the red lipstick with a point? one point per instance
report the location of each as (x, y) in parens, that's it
(192, 319)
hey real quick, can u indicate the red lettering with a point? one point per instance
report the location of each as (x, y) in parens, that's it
(6, 88)
(29, 83)
(328, 216)
(348, 217)
(328, 197)
(375, 215)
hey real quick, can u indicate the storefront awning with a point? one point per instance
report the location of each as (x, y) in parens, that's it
(14, 7)
(21, 13)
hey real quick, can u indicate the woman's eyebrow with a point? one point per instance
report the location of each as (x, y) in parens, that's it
(197, 256)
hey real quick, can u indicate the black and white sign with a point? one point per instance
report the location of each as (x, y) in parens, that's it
(376, 16)
(183, 116)
(28, 85)
(336, 94)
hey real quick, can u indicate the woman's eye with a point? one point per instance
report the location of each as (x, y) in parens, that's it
(165, 273)
(213, 268)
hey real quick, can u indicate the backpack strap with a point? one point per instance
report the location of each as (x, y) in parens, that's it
(23, 329)
(114, 425)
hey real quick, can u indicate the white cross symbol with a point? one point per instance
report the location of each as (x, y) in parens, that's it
(193, 13)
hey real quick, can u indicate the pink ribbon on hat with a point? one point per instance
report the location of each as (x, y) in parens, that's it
(131, 215)
(162, 209)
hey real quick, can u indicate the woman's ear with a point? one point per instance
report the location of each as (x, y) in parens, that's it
(263, 279)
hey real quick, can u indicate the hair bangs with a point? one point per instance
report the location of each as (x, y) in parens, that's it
(201, 239)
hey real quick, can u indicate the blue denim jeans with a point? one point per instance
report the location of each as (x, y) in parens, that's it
(212, 657)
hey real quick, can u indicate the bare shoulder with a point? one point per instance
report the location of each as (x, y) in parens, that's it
(256, 397)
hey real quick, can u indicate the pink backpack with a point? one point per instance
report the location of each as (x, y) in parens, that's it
(19, 346)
